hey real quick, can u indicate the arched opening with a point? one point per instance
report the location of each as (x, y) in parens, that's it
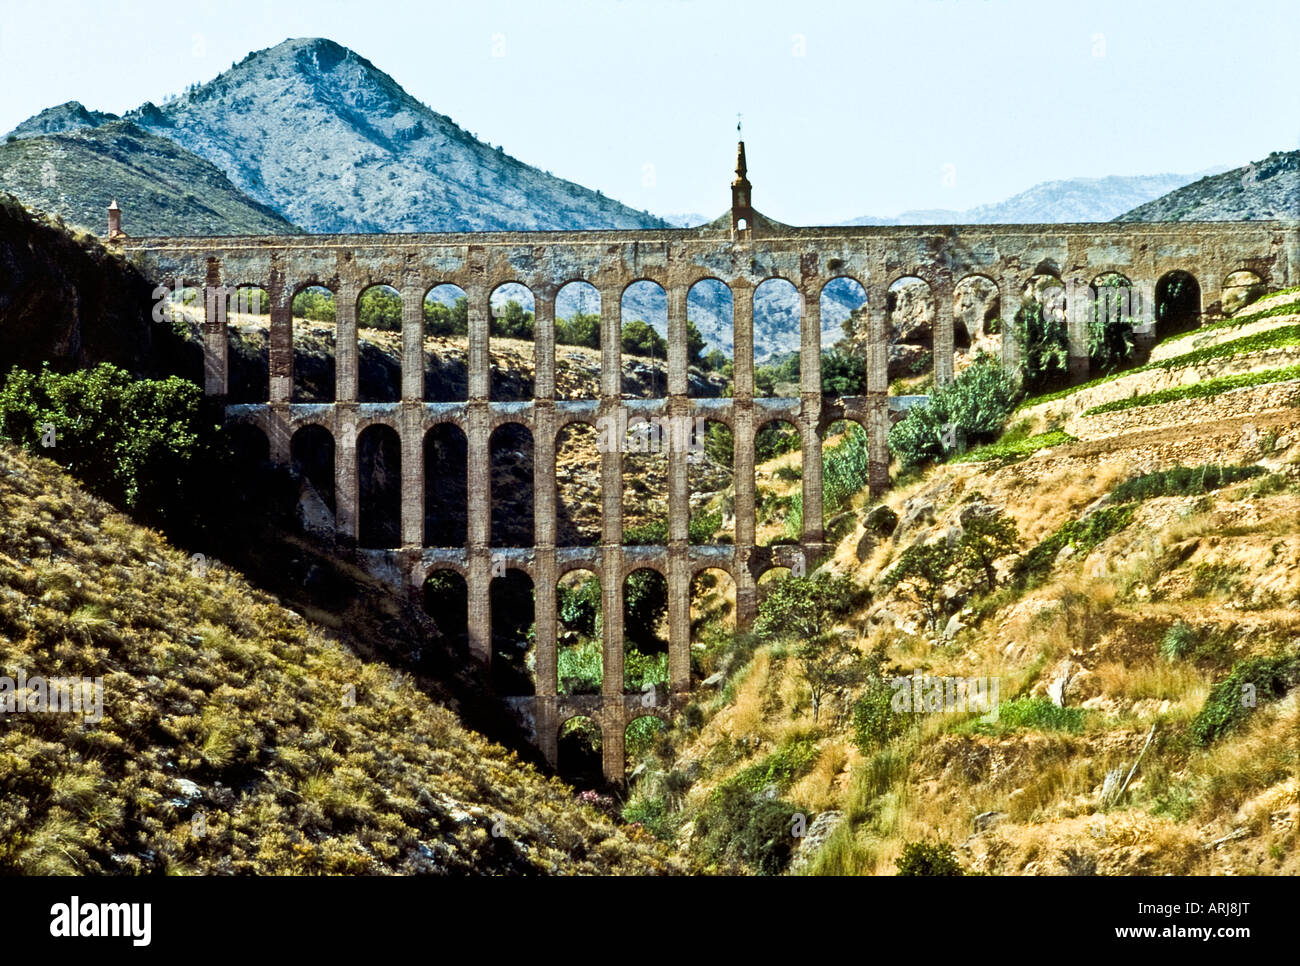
(445, 495)
(1241, 288)
(977, 315)
(1178, 303)
(645, 632)
(778, 472)
(577, 341)
(248, 335)
(511, 344)
(1110, 324)
(713, 611)
(312, 456)
(711, 483)
(639, 737)
(645, 480)
(379, 487)
(511, 447)
(644, 349)
(844, 475)
(778, 311)
(446, 344)
(446, 600)
(249, 450)
(912, 312)
(314, 315)
(580, 658)
(844, 369)
(579, 753)
(379, 345)
(512, 633)
(577, 486)
(1042, 333)
(710, 338)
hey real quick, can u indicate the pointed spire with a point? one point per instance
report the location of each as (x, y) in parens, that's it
(742, 210)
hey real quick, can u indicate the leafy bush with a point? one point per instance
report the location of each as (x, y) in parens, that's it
(640, 339)
(1183, 481)
(579, 607)
(315, 304)
(875, 721)
(135, 442)
(928, 858)
(1226, 706)
(1044, 345)
(972, 407)
(922, 572)
(580, 668)
(446, 320)
(791, 760)
(380, 307)
(579, 329)
(804, 608)
(737, 825)
(1039, 714)
(513, 322)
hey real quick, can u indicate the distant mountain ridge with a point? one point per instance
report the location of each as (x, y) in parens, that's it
(1261, 190)
(1051, 202)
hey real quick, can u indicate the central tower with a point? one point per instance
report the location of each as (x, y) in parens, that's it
(742, 209)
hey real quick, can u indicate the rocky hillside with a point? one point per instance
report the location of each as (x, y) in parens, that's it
(1156, 575)
(67, 301)
(74, 172)
(1260, 190)
(236, 735)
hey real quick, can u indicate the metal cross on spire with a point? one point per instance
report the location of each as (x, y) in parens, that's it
(737, 122)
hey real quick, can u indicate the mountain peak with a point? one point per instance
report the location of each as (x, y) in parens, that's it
(315, 131)
(69, 116)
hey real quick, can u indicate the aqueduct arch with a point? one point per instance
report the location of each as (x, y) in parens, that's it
(740, 251)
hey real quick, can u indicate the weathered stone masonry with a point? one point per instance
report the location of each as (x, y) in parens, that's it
(741, 253)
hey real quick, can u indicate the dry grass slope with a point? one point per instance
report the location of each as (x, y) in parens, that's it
(221, 703)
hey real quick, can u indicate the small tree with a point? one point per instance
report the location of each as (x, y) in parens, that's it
(986, 538)
(805, 609)
(1044, 345)
(921, 573)
(829, 663)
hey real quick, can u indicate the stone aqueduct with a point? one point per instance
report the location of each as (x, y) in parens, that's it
(741, 252)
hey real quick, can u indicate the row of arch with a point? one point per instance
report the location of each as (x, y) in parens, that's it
(777, 307)
(512, 480)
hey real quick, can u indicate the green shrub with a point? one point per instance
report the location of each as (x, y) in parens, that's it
(804, 608)
(1038, 714)
(737, 825)
(973, 408)
(928, 858)
(653, 814)
(580, 667)
(1258, 678)
(138, 443)
(791, 760)
(1044, 345)
(875, 721)
(1182, 481)
(1010, 448)
(1179, 641)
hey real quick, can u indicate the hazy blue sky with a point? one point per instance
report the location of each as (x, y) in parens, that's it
(849, 108)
